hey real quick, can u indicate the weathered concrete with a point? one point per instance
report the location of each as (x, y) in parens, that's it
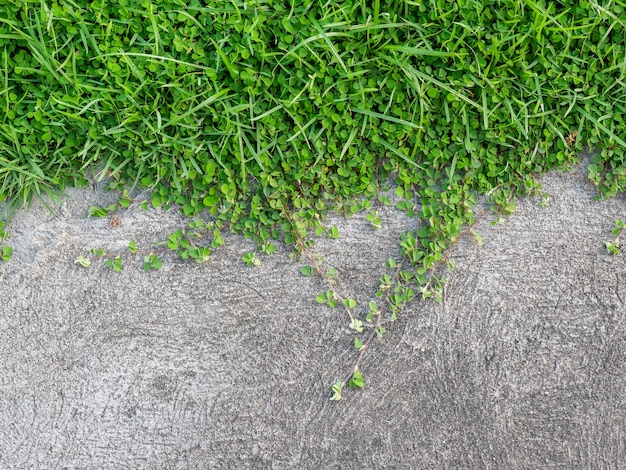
(224, 366)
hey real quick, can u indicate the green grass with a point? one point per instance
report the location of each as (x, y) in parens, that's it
(268, 113)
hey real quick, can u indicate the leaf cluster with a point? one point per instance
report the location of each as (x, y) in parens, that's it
(613, 247)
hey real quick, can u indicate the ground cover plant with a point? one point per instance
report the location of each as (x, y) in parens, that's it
(267, 114)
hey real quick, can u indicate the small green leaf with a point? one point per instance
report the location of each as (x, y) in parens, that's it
(357, 380)
(200, 255)
(333, 232)
(612, 248)
(151, 262)
(350, 303)
(307, 270)
(358, 344)
(509, 208)
(205, 254)
(268, 248)
(155, 262)
(173, 241)
(217, 238)
(6, 253)
(356, 325)
(132, 247)
(95, 211)
(321, 299)
(84, 262)
(251, 259)
(337, 390)
(373, 218)
(3, 234)
(115, 263)
(384, 200)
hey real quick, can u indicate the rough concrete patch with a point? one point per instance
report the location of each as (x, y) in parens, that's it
(224, 366)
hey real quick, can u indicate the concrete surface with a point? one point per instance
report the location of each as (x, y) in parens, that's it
(224, 366)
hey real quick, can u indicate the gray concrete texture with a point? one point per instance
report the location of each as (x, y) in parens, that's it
(220, 365)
